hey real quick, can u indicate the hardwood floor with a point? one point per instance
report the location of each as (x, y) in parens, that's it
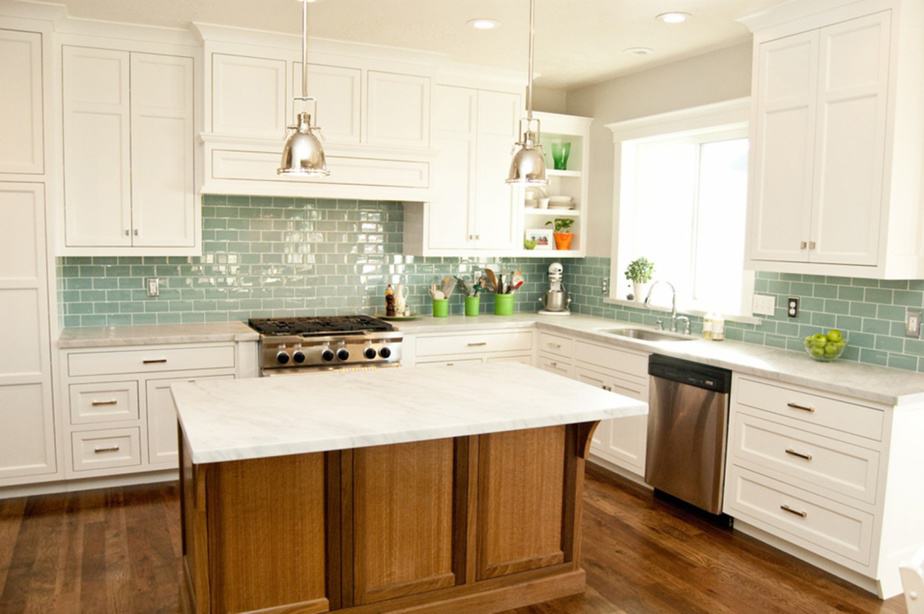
(118, 551)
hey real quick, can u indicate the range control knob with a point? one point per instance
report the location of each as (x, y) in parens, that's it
(343, 354)
(385, 352)
(298, 357)
(327, 355)
(369, 353)
(282, 357)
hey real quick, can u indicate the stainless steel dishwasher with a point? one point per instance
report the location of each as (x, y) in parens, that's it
(687, 430)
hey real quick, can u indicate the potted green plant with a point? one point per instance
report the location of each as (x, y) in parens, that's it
(639, 272)
(562, 232)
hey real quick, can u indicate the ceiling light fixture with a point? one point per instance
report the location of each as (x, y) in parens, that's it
(528, 164)
(483, 23)
(673, 17)
(303, 153)
(638, 50)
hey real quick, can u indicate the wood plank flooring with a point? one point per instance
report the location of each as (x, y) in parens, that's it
(118, 551)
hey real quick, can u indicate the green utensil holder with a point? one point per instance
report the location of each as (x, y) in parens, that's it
(503, 304)
(472, 305)
(441, 308)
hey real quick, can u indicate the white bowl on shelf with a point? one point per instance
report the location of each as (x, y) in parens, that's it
(561, 202)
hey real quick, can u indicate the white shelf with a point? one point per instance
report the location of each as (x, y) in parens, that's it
(551, 212)
(548, 253)
(554, 173)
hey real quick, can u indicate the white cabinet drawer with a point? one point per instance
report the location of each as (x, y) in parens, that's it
(518, 341)
(103, 402)
(628, 362)
(106, 449)
(150, 360)
(554, 364)
(811, 461)
(810, 408)
(556, 344)
(523, 359)
(813, 522)
(448, 362)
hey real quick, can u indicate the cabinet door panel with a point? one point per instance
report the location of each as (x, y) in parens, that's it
(248, 96)
(21, 110)
(398, 109)
(850, 151)
(162, 421)
(498, 114)
(454, 123)
(783, 142)
(97, 144)
(27, 445)
(162, 161)
(339, 93)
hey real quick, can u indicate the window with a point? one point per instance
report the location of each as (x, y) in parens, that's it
(682, 203)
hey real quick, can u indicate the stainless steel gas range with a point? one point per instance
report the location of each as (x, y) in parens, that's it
(298, 345)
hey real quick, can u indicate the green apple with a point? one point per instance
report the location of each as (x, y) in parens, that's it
(818, 352)
(835, 335)
(832, 350)
(819, 340)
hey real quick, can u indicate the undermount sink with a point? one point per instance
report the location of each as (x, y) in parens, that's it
(646, 334)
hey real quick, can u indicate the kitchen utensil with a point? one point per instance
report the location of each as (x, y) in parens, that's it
(449, 285)
(438, 295)
(492, 280)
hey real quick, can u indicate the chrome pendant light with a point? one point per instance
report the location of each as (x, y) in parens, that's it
(303, 154)
(528, 164)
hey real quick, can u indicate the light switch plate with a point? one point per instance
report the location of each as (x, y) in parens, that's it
(913, 324)
(764, 304)
(153, 286)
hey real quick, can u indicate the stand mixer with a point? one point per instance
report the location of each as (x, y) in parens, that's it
(556, 300)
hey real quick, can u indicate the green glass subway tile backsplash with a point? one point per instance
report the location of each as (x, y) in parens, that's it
(272, 257)
(871, 311)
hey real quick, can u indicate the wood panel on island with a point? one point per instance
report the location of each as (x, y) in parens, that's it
(473, 523)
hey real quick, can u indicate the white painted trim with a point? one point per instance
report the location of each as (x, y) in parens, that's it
(28, 490)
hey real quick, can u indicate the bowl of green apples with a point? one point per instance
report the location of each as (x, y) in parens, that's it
(826, 347)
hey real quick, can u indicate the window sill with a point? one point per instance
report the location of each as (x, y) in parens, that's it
(740, 319)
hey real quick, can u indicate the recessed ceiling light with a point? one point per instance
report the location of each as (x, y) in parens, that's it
(638, 50)
(483, 23)
(673, 17)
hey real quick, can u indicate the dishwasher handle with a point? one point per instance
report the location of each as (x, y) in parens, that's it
(690, 373)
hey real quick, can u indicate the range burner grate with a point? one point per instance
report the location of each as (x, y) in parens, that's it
(319, 325)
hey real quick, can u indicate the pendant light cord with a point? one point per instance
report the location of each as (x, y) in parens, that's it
(532, 35)
(305, 49)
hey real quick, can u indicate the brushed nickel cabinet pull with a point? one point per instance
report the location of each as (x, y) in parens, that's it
(803, 244)
(792, 452)
(476, 344)
(557, 346)
(798, 513)
(801, 407)
(100, 450)
(450, 364)
(101, 403)
(153, 361)
(811, 245)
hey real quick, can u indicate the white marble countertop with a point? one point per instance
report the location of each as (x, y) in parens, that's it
(863, 382)
(338, 410)
(155, 334)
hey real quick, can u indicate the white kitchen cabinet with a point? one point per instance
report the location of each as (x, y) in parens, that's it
(27, 435)
(21, 102)
(249, 96)
(469, 347)
(473, 208)
(398, 109)
(837, 140)
(129, 167)
(339, 92)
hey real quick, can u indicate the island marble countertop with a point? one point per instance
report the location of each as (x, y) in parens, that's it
(338, 410)
(106, 336)
(863, 382)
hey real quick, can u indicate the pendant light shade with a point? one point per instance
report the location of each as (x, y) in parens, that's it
(528, 164)
(303, 153)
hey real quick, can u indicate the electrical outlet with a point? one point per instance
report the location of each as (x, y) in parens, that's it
(913, 324)
(764, 304)
(792, 307)
(153, 286)
(605, 287)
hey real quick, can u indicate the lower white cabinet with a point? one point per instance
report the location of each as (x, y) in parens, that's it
(447, 350)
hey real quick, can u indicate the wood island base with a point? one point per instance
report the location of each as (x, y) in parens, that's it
(481, 523)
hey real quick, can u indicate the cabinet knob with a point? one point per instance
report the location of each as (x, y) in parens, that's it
(127, 232)
(136, 232)
(803, 244)
(811, 245)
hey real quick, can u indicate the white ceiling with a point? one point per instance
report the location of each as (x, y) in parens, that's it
(578, 41)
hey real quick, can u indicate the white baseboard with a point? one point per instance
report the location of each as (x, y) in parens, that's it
(27, 490)
(613, 468)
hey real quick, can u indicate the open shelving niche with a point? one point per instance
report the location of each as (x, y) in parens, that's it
(573, 182)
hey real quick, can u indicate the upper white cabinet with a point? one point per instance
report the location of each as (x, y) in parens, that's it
(837, 139)
(21, 106)
(129, 153)
(373, 110)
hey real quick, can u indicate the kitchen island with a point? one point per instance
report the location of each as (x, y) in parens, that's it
(425, 490)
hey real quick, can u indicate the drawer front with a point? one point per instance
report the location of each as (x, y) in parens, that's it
(554, 364)
(151, 360)
(523, 359)
(813, 522)
(631, 363)
(556, 345)
(814, 462)
(810, 408)
(103, 402)
(106, 449)
(449, 362)
(519, 341)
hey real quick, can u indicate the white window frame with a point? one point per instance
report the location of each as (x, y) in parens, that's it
(728, 117)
